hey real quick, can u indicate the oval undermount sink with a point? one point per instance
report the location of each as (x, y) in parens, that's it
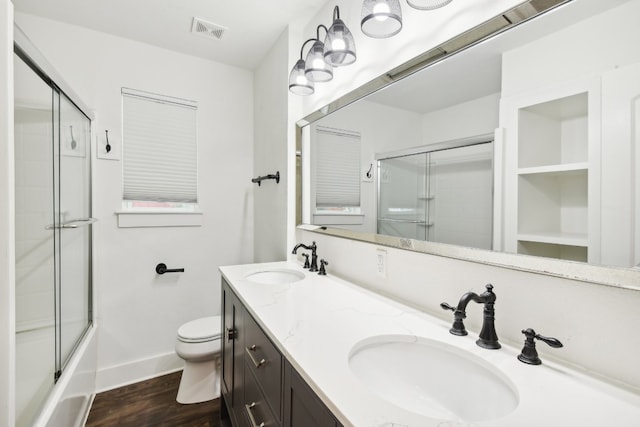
(276, 276)
(432, 378)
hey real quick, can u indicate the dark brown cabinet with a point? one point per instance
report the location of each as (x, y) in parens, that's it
(259, 386)
(301, 405)
(232, 360)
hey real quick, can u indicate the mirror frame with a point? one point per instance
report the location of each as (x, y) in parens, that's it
(627, 278)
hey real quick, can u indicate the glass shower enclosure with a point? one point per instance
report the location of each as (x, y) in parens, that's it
(441, 196)
(52, 233)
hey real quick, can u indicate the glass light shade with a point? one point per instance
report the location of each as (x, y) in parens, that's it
(381, 18)
(428, 4)
(299, 84)
(316, 68)
(339, 46)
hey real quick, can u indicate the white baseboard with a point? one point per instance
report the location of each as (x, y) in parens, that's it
(139, 370)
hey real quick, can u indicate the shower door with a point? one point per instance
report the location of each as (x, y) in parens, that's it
(52, 232)
(35, 244)
(403, 196)
(72, 225)
(441, 196)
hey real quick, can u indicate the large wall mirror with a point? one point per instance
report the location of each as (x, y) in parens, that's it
(518, 138)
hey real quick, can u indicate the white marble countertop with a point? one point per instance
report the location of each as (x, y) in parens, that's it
(317, 321)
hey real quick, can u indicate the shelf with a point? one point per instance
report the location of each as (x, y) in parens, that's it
(551, 189)
(553, 204)
(554, 132)
(551, 250)
(569, 239)
(559, 169)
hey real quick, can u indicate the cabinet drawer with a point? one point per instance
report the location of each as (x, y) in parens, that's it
(256, 409)
(264, 361)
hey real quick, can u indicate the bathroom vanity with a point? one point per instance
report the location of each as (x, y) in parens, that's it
(259, 386)
(301, 350)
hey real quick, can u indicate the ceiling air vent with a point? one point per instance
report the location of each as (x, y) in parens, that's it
(207, 29)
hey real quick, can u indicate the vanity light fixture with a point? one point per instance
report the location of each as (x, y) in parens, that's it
(316, 68)
(339, 45)
(381, 18)
(299, 83)
(428, 4)
(338, 48)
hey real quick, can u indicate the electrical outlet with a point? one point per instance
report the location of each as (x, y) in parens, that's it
(381, 262)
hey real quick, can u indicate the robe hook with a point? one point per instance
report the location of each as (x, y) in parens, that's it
(108, 146)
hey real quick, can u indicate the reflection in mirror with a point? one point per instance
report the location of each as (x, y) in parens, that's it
(441, 196)
(557, 97)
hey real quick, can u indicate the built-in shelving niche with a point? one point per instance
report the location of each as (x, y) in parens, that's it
(553, 202)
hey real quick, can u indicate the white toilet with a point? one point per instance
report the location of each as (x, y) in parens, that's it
(198, 344)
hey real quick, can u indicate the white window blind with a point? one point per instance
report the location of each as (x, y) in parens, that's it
(159, 148)
(337, 168)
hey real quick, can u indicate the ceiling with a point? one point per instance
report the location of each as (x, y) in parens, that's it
(252, 26)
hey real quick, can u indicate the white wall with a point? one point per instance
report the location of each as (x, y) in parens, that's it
(270, 154)
(138, 311)
(469, 119)
(596, 323)
(7, 249)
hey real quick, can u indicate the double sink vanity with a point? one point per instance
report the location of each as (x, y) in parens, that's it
(302, 349)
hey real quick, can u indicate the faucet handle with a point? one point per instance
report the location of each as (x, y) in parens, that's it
(458, 316)
(322, 271)
(446, 306)
(552, 342)
(306, 260)
(529, 353)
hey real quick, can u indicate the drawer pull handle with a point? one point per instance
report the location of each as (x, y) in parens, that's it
(256, 363)
(249, 408)
(230, 333)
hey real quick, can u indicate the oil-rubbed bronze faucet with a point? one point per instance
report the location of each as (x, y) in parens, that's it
(488, 337)
(314, 256)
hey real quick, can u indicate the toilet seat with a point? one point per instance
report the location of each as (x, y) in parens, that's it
(200, 330)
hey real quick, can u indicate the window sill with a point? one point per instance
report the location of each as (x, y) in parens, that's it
(139, 219)
(338, 219)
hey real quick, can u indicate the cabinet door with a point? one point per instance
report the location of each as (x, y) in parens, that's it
(232, 377)
(301, 406)
(228, 325)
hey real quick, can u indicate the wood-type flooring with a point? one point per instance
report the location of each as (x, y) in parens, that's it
(151, 403)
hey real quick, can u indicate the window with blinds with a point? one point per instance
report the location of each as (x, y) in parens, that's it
(159, 151)
(337, 177)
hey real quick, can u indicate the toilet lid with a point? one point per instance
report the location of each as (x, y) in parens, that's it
(204, 329)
